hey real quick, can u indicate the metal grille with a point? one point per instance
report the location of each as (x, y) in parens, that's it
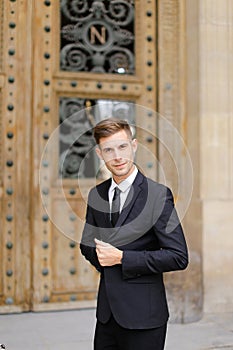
(97, 36)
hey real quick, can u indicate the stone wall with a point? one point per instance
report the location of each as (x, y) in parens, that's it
(209, 221)
(216, 126)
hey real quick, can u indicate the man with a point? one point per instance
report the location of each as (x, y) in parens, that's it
(132, 235)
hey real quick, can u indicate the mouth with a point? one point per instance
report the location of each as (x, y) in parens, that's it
(119, 166)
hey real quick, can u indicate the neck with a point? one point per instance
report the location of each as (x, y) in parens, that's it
(119, 179)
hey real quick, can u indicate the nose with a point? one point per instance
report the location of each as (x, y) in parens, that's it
(117, 154)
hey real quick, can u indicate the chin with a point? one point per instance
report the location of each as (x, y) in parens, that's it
(122, 173)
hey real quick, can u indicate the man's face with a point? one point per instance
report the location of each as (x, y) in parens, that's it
(118, 151)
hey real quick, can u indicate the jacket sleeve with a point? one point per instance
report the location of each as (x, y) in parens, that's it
(87, 245)
(172, 253)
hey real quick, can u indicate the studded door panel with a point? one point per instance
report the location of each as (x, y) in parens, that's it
(15, 155)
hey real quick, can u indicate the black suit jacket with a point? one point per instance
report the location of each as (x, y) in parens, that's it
(151, 237)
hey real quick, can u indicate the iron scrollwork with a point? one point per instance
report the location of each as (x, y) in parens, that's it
(76, 140)
(97, 36)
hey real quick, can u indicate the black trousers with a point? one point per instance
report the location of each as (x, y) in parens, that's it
(111, 336)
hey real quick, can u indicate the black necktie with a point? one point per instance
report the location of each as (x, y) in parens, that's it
(115, 212)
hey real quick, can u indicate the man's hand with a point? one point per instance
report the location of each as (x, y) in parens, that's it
(107, 254)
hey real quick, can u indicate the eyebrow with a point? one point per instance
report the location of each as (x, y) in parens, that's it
(113, 146)
(106, 148)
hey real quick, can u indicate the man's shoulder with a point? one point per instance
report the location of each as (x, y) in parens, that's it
(102, 186)
(98, 196)
(154, 185)
(140, 179)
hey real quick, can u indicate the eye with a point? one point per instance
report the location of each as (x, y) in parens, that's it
(123, 146)
(107, 150)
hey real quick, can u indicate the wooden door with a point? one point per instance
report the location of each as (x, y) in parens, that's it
(15, 155)
(89, 59)
(58, 58)
(45, 78)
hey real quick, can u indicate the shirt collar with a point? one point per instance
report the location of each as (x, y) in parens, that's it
(125, 184)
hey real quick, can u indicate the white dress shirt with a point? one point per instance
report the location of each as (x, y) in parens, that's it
(124, 186)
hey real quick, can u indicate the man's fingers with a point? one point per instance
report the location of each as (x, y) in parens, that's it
(101, 243)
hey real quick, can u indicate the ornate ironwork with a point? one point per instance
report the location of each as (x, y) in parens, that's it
(77, 118)
(97, 36)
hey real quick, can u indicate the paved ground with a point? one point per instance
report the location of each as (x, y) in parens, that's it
(73, 330)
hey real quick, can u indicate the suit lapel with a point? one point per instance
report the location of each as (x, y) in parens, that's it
(130, 200)
(103, 192)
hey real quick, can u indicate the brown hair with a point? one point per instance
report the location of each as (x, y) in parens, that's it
(110, 126)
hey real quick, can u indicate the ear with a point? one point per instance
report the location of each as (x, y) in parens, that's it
(98, 152)
(135, 145)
